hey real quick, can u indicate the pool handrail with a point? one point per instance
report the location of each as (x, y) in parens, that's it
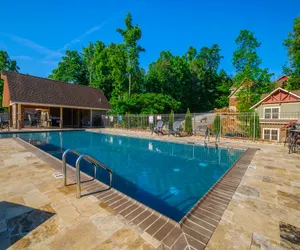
(89, 159)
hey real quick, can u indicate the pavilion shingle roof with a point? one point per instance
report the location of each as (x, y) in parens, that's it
(32, 89)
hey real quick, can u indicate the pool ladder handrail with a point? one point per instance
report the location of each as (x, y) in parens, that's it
(89, 159)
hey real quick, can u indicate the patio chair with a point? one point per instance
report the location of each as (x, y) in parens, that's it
(158, 129)
(4, 120)
(177, 129)
(32, 121)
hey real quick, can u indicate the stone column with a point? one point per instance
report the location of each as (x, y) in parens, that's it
(19, 123)
(14, 116)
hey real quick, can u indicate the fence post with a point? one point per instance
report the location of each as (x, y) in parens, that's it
(220, 134)
(254, 124)
(194, 127)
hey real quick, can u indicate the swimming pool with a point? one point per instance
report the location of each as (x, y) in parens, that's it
(168, 177)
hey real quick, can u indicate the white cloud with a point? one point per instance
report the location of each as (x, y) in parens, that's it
(34, 46)
(84, 35)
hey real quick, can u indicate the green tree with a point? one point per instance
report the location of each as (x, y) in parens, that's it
(110, 70)
(205, 73)
(223, 90)
(71, 69)
(6, 64)
(247, 64)
(171, 119)
(188, 126)
(131, 35)
(170, 75)
(148, 103)
(292, 43)
(88, 58)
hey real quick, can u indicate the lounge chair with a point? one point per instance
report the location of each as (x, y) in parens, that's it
(177, 129)
(4, 120)
(158, 129)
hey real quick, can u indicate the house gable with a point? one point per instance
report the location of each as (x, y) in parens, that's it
(279, 96)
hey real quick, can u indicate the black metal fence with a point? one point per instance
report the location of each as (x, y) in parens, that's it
(252, 125)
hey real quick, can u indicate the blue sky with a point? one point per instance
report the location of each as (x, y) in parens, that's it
(36, 33)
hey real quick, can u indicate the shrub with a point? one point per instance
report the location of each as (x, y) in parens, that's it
(216, 124)
(171, 119)
(188, 127)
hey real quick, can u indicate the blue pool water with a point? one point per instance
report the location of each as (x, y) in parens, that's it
(168, 177)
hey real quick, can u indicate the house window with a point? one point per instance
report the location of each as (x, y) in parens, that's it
(271, 113)
(271, 134)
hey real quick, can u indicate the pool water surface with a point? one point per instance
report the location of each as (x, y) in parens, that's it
(168, 177)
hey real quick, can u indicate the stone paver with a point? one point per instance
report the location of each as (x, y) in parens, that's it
(37, 213)
(264, 212)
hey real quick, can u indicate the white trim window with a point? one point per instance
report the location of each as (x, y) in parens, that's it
(272, 113)
(271, 134)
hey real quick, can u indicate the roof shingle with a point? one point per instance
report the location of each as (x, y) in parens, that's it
(32, 89)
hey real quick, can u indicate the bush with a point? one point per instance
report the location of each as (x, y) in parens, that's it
(146, 103)
(171, 119)
(188, 127)
(216, 124)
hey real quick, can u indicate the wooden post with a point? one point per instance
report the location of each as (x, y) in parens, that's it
(91, 118)
(61, 118)
(19, 120)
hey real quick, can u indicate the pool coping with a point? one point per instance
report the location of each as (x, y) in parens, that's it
(42, 131)
(170, 233)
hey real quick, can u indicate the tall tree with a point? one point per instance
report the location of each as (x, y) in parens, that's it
(169, 75)
(88, 55)
(223, 90)
(247, 64)
(292, 43)
(111, 70)
(131, 35)
(205, 78)
(71, 69)
(6, 64)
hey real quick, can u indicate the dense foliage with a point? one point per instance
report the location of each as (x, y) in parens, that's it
(147, 103)
(191, 81)
(292, 44)
(247, 63)
(6, 64)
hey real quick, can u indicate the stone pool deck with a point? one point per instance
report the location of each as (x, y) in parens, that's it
(37, 213)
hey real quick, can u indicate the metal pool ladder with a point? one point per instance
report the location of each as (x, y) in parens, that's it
(89, 159)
